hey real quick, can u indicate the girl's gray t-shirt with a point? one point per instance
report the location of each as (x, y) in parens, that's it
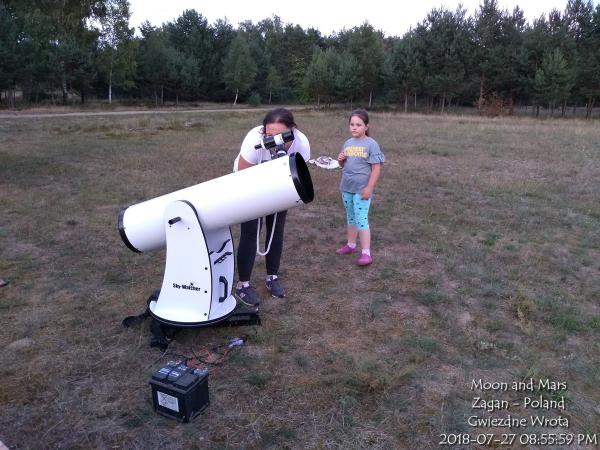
(360, 154)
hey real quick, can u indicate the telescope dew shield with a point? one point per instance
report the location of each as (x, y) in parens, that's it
(255, 192)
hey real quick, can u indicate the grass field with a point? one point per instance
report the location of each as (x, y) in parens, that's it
(486, 240)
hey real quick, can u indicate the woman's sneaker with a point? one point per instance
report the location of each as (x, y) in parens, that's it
(275, 288)
(248, 295)
(345, 250)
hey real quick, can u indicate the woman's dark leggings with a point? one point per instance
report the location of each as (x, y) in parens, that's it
(246, 252)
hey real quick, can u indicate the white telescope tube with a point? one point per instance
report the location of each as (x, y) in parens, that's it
(255, 192)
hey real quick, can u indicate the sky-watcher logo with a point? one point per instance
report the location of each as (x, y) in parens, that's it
(189, 287)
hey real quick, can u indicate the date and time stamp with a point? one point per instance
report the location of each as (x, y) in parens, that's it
(526, 413)
(510, 439)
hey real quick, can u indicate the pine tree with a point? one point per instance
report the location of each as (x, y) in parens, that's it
(447, 49)
(553, 80)
(10, 51)
(579, 27)
(192, 37)
(239, 68)
(366, 45)
(404, 69)
(347, 80)
(153, 60)
(315, 80)
(222, 35)
(117, 46)
(273, 82)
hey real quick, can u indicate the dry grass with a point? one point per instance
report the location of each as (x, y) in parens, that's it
(486, 237)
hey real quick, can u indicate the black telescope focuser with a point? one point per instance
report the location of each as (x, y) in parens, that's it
(276, 144)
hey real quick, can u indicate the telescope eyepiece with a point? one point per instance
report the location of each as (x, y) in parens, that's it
(269, 142)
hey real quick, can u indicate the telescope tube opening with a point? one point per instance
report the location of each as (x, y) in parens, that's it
(301, 178)
(122, 233)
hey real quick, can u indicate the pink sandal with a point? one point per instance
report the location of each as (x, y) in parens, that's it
(345, 250)
(364, 260)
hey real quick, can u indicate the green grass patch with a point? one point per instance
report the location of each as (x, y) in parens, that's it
(257, 379)
(594, 323)
(494, 326)
(302, 360)
(427, 344)
(430, 297)
(490, 239)
(566, 320)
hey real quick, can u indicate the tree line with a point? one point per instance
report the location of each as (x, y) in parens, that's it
(494, 60)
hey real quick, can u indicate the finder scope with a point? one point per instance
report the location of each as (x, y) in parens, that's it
(274, 141)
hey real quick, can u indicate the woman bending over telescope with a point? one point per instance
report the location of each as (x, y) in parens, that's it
(254, 151)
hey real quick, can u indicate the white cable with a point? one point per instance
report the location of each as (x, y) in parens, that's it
(258, 252)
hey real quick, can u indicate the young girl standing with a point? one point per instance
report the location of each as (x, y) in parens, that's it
(361, 159)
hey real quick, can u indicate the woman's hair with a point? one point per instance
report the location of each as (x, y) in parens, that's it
(362, 115)
(279, 115)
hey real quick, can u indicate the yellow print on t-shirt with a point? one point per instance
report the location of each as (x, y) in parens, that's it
(356, 151)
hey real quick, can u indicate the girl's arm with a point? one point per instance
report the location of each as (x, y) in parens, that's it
(342, 158)
(368, 189)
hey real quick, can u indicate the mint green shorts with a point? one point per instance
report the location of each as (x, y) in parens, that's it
(357, 210)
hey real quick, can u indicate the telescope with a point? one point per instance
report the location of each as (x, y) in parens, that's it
(194, 225)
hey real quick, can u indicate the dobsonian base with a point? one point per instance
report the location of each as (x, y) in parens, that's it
(199, 269)
(242, 316)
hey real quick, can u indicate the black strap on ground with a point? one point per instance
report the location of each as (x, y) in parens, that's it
(162, 334)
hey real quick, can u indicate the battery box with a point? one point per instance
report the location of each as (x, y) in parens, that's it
(179, 392)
